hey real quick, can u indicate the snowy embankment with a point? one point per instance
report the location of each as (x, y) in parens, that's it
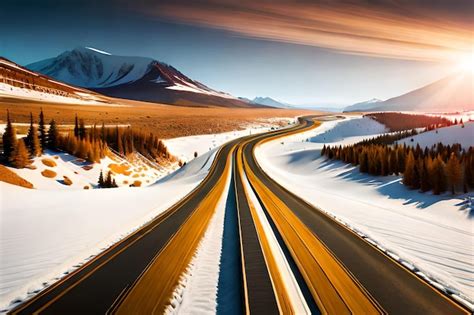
(433, 235)
(447, 135)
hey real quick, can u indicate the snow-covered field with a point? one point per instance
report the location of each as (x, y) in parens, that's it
(433, 233)
(447, 135)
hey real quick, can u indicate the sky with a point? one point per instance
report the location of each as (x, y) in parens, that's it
(326, 53)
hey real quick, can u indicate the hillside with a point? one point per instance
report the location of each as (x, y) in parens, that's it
(268, 101)
(462, 134)
(134, 78)
(453, 93)
(20, 83)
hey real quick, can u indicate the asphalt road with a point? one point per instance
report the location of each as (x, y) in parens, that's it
(105, 280)
(396, 289)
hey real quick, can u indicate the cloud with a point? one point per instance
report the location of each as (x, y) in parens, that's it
(394, 29)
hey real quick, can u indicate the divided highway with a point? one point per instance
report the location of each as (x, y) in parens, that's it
(294, 258)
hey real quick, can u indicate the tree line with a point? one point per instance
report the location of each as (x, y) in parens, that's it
(437, 168)
(88, 143)
(401, 121)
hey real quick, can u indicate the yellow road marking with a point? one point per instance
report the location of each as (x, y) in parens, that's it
(153, 291)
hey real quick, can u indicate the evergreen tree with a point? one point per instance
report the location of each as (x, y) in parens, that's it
(108, 180)
(53, 136)
(424, 166)
(82, 129)
(76, 127)
(9, 139)
(409, 172)
(32, 140)
(453, 172)
(42, 131)
(101, 180)
(438, 176)
(20, 157)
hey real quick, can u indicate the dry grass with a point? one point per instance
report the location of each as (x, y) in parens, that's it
(11, 177)
(125, 182)
(87, 167)
(86, 187)
(48, 173)
(136, 175)
(137, 183)
(164, 120)
(48, 162)
(67, 181)
(120, 169)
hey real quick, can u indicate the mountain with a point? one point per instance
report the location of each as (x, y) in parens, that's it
(363, 106)
(453, 93)
(19, 82)
(268, 101)
(136, 78)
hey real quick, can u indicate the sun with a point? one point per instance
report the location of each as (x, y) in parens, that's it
(466, 63)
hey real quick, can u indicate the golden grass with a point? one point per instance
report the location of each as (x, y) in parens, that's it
(48, 173)
(48, 162)
(136, 175)
(165, 121)
(120, 169)
(13, 178)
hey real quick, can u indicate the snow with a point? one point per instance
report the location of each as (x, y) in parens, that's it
(447, 135)
(99, 51)
(82, 173)
(434, 234)
(7, 90)
(184, 147)
(66, 233)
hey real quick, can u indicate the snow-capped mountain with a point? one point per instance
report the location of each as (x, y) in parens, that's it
(19, 82)
(268, 101)
(453, 93)
(136, 78)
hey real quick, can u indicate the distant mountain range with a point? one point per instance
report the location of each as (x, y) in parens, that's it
(136, 78)
(452, 93)
(268, 101)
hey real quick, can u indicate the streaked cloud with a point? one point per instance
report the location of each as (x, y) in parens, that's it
(413, 30)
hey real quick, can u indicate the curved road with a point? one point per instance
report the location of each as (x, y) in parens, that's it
(335, 269)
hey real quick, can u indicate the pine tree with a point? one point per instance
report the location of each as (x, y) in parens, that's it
(438, 176)
(20, 157)
(453, 172)
(409, 172)
(82, 129)
(32, 140)
(42, 131)
(323, 151)
(393, 162)
(53, 136)
(101, 180)
(108, 180)
(9, 139)
(76, 127)
(424, 166)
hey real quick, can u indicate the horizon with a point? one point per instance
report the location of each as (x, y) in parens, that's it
(304, 70)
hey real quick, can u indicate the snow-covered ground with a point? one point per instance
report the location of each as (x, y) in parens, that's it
(83, 174)
(447, 135)
(184, 147)
(433, 233)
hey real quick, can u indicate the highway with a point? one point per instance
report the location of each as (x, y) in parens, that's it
(329, 269)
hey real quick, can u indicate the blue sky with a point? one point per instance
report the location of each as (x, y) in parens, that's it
(233, 61)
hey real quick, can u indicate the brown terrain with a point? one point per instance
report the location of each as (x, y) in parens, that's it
(166, 121)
